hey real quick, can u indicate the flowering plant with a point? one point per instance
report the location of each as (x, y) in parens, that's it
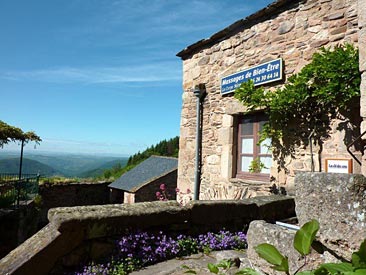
(163, 195)
(138, 249)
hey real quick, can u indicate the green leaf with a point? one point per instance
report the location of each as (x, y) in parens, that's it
(305, 273)
(283, 266)
(213, 268)
(334, 268)
(247, 271)
(359, 257)
(225, 264)
(305, 237)
(356, 272)
(270, 253)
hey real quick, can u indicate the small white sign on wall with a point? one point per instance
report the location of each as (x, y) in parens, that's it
(343, 166)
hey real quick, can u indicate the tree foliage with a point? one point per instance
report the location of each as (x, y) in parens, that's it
(167, 148)
(323, 90)
(10, 133)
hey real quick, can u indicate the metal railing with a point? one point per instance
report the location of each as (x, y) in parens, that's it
(351, 144)
(15, 191)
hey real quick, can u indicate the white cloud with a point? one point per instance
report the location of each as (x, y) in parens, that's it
(129, 74)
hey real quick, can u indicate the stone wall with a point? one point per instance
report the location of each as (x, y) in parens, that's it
(282, 238)
(337, 202)
(293, 31)
(17, 225)
(148, 192)
(74, 194)
(362, 43)
(80, 233)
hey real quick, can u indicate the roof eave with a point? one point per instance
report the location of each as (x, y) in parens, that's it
(233, 28)
(136, 188)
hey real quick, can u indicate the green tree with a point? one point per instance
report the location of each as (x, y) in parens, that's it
(10, 133)
(165, 147)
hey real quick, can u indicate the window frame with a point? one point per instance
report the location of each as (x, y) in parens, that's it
(256, 119)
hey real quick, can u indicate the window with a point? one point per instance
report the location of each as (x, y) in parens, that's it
(254, 160)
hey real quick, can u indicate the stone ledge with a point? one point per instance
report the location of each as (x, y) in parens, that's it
(20, 259)
(282, 238)
(70, 227)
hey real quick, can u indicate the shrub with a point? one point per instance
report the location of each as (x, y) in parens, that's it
(139, 249)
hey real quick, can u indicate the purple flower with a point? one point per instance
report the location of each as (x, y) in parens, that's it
(138, 249)
(162, 187)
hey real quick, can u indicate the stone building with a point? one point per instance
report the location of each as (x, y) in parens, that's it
(288, 32)
(143, 181)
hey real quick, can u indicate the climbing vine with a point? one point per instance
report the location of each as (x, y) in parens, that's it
(321, 91)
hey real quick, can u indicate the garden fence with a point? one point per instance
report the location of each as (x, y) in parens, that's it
(15, 191)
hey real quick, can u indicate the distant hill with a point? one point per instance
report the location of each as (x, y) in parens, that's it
(29, 166)
(71, 165)
(108, 165)
(67, 165)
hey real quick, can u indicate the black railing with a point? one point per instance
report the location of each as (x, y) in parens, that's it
(15, 191)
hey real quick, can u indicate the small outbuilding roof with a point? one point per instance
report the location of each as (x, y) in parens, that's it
(147, 171)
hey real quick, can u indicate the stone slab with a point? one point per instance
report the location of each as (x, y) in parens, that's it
(338, 202)
(362, 48)
(197, 262)
(361, 13)
(282, 238)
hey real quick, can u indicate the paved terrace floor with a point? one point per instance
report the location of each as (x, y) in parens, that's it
(198, 262)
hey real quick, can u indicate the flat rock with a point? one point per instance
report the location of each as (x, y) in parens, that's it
(338, 202)
(197, 262)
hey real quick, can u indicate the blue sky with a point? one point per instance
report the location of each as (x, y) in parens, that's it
(101, 76)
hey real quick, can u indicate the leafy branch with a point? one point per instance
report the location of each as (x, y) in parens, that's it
(308, 101)
(10, 133)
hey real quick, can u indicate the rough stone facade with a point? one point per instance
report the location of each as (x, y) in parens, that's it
(362, 43)
(337, 201)
(291, 30)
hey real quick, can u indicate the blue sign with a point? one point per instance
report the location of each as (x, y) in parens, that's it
(264, 73)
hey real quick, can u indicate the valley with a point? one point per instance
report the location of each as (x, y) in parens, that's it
(59, 164)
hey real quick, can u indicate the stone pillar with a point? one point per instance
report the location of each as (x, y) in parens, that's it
(226, 138)
(362, 65)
